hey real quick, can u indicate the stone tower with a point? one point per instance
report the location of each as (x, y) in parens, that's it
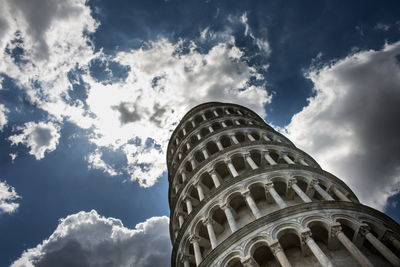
(242, 194)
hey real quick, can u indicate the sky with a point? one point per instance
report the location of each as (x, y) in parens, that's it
(90, 92)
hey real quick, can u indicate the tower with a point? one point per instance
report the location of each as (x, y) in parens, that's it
(242, 194)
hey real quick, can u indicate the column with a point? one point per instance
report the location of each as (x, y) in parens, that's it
(269, 187)
(299, 192)
(336, 230)
(188, 146)
(269, 159)
(215, 179)
(390, 237)
(265, 137)
(189, 205)
(232, 168)
(252, 204)
(227, 112)
(200, 191)
(205, 153)
(194, 240)
(176, 188)
(180, 155)
(223, 124)
(234, 139)
(198, 136)
(193, 124)
(183, 176)
(279, 253)
(318, 253)
(185, 260)
(251, 162)
(239, 112)
(181, 220)
(219, 145)
(193, 162)
(211, 234)
(287, 159)
(184, 131)
(237, 123)
(210, 129)
(302, 162)
(387, 253)
(339, 194)
(204, 117)
(321, 191)
(177, 141)
(215, 113)
(251, 138)
(229, 216)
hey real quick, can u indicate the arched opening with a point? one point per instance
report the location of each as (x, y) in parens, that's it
(207, 181)
(222, 170)
(180, 134)
(255, 135)
(225, 141)
(228, 123)
(198, 119)
(242, 122)
(184, 149)
(203, 233)
(240, 137)
(319, 233)
(204, 132)
(188, 126)
(318, 195)
(262, 254)
(221, 226)
(291, 244)
(231, 111)
(274, 156)
(199, 156)
(193, 139)
(256, 157)
(219, 111)
(216, 126)
(257, 191)
(239, 164)
(235, 263)
(209, 114)
(194, 194)
(239, 206)
(212, 148)
(280, 188)
(188, 167)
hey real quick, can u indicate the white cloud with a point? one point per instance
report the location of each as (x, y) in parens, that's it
(351, 124)
(88, 239)
(3, 116)
(8, 196)
(96, 162)
(382, 27)
(39, 137)
(154, 97)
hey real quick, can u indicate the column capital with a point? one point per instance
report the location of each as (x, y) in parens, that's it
(314, 182)
(224, 206)
(275, 246)
(364, 229)
(194, 238)
(248, 262)
(246, 193)
(207, 220)
(291, 182)
(269, 185)
(335, 229)
(388, 235)
(305, 235)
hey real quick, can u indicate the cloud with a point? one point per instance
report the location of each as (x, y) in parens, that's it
(351, 124)
(40, 137)
(382, 27)
(3, 116)
(8, 196)
(96, 162)
(88, 239)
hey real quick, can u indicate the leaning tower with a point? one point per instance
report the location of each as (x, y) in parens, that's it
(242, 194)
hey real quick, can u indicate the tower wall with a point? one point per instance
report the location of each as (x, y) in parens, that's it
(242, 194)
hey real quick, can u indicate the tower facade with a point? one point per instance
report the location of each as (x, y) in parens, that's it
(242, 194)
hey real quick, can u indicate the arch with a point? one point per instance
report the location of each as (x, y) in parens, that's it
(232, 258)
(198, 119)
(204, 131)
(239, 163)
(209, 114)
(212, 147)
(225, 141)
(199, 156)
(216, 126)
(240, 137)
(222, 170)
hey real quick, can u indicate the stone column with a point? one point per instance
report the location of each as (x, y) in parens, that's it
(339, 194)
(227, 112)
(315, 249)
(266, 138)
(229, 216)
(232, 168)
(390, 237)
(251, 162)
(215, 113)
(251, 138)
(189, 205)
(184, 131)
(215, 179)
(239, 112)
(204, 117)
(211, 234)
(188, 146)
(287, 159)
(269, 187)
(302, 162)
(210, 129)
(321, 191)
(198, 136)
(279, 253)
(336, 230)
(194, 240)
(180, 155)
(219, 145)
(299, 192)
(183, 176)
(185, 261)
(249, 262)
(223, 124)
(181, 220)
(252, 204)
(193, 162)
(387, 253)
(200, 191)
(269, 159)
(237, 123)
(205, 153)
(193, 123)
(234, 139)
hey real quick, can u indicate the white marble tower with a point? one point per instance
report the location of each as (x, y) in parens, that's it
(241, 194)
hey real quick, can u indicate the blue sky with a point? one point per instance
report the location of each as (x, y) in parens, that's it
(90, 92)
